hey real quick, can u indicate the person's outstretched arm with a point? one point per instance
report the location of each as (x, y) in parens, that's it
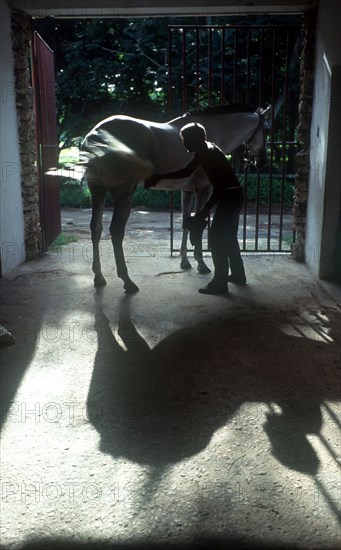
(178, 174)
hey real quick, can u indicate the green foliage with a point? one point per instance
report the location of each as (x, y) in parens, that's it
(61, 240)
(105, 67)
(156, 199)
(265, 189)
(69, 156)
(75, 196)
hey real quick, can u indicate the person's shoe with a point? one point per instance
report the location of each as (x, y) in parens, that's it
(236, 280)
(213, 288)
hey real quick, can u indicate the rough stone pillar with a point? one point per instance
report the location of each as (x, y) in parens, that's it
(305, 113)
(21, 39)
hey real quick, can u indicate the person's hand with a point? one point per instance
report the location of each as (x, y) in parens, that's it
(195, 222)
(151, 181)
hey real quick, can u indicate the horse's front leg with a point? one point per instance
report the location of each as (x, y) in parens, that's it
(98, 193)
(122, 207)
(186, 203)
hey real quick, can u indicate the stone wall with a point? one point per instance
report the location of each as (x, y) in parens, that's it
(22, 37)
(305, 114)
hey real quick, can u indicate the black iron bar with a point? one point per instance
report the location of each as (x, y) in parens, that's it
(171, 211)
(260, 102)
(210, 66)
(247, 80)
(222, 61)
(284, 145)
(235, 65)
(273, 80)
(260, 86)
(245, 209)
(257, 210)
(197, 68)
(297, 26)
(169, 67)
(184, 74)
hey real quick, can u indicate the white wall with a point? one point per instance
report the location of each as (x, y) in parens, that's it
(11, 206)
(324, 197)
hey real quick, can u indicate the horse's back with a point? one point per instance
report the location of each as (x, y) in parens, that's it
(148, 139)
(159, 143)
(131, 132)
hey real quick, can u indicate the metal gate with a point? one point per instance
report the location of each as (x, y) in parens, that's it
(47, 140)
(259, 64)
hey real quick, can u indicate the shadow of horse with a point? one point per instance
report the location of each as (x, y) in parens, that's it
(159, 406)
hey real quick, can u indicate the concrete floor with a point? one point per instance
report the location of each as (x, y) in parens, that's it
(168, 419)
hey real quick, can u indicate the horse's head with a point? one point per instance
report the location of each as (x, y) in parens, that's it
(255, 146)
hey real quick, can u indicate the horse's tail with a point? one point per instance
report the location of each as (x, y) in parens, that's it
(110, 160)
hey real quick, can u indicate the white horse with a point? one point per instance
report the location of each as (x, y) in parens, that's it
(122, 151)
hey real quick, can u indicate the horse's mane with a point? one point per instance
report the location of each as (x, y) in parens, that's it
(225, 109)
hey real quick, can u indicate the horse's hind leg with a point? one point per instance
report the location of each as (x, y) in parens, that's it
(201, 198)
(186, 202)
(122, 207)
(98, 193)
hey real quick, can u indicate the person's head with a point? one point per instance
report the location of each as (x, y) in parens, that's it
(193, 136)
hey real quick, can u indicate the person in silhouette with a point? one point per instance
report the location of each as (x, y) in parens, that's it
(227, 196)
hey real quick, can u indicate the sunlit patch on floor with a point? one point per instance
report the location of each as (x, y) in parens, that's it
(312, 326)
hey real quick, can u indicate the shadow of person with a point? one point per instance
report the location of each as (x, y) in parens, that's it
(159, 406)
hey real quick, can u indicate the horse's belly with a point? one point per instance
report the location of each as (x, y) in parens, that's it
(195, 182)
(174, 185)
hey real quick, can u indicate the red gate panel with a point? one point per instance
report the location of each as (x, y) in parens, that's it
(47, 140)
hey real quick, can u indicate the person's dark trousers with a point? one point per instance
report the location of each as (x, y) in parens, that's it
(224, 237)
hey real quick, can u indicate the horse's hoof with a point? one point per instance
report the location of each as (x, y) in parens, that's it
(185, 264)
(130, 287)
(203, 269)
(99, 280)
